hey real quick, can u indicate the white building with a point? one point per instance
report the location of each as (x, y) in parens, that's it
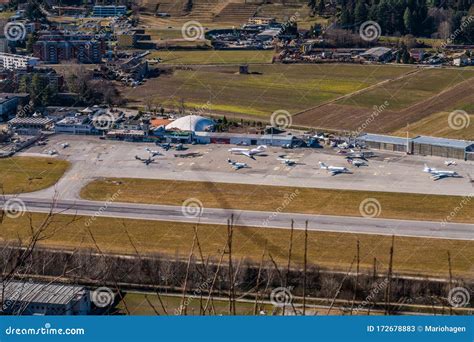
(12, 62)
(191, 123)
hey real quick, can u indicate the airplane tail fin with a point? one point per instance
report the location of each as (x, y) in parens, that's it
(322, 165)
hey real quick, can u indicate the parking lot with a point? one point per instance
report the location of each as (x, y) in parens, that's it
(93, 158)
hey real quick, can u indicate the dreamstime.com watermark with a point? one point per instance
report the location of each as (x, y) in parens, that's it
(46, 330)
(192, 208)
(459, 297)
(370, 208)
(102, 297)
(372, 296)
(281, 296)
(455, 211)
(370, 31)
(466, 22)
(288, 198)
(102, 209)
(196, 293)
(14, 208)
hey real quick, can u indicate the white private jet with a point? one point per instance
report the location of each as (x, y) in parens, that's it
(438, 174)
(236, 165)
(152, 152)
(52, 152)
(334, 170)
(249, 153)
(450, 162)
(65, 145)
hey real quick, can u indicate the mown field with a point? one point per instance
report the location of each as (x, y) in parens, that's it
(332, 250)
(269, 198)
(27, 174)
(267, 89)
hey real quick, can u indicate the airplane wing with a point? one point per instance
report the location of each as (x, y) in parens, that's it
(245, 153)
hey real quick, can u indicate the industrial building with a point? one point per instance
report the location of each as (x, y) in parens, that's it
(421, 145)
(385, 142)
(243, 139)
(442, 147)
(32, 298)
(30, 125)
(109, 11)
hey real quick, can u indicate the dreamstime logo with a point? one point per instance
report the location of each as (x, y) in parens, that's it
(192, 31)
(14, 208)
(192, 207)
(370, 208)
(281, 296)
(14, 31)
(281, 119)
(102, 297)
(104, 121)
(370, 31)
(459, 297)
(458, 120)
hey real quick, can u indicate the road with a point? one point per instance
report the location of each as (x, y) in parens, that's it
(261, 219)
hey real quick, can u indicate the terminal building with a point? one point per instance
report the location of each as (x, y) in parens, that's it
(34, 298)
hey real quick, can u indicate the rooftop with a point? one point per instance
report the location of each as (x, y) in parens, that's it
(30, 121)
(387, 139)
(443, 142)
(42, 292)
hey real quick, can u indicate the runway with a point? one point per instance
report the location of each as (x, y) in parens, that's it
(326, 223)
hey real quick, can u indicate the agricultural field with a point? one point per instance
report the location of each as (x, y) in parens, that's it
(27, 174)
(437, 125)
(213, 57)
(419, 256)
(267, 198)
(268, 88)
(406, 100)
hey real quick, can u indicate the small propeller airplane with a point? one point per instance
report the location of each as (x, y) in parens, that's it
(146, 161)
(334, 170)
(438, 174)
(288, 162)
(65, 145)
(236, 165)
(153, 153)
(356, 162)
(450, 162)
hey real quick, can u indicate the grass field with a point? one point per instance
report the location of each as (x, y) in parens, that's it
(25, 174)
(269, 88)
(269, 198)
(331, 250)
(413, 89)
(213, 57)
(437, 125)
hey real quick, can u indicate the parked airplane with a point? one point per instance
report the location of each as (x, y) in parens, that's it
(146, 161)
(334, 170)
(438, 174)
(360, 155)
(166, 146)
(356, 162)
(249, 153)
(65, 145)
(152, 152)
(450, 162)
(289, 162)
(52, 152)
(237, 165)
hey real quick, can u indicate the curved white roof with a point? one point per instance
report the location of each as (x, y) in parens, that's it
(194, 123)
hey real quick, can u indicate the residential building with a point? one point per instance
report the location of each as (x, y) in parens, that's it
(12, 62)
